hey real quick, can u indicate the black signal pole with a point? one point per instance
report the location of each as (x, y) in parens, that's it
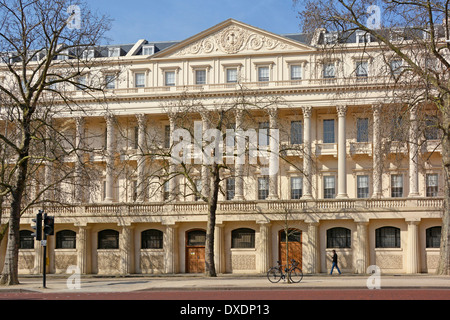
(44, 243)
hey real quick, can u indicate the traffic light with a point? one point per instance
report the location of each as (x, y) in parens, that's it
(38, 226)
(49, 225)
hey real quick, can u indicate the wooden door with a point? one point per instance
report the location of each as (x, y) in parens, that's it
(195, 251)
(294, 245)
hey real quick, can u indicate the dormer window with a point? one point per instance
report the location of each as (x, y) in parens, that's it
(330, 38)
(363, 37)
(89, 54)
(113, 52)
(148, 50)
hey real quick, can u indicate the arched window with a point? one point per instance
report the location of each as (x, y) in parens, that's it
(66, 239)
(26, 240)
(108, 239)
(243, 239)
(339, 238)
(196, 238)
(387, 237)
(152, 239)
(433, 236)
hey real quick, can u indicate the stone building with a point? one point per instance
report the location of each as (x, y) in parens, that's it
(340, 189)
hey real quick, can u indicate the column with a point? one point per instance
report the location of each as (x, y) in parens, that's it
(274, 145)
(219, 253)
(79, 145)
(126, 250)
(206, 181)
(361, 247)
(38, 256)
(170, 249)
(413, 154)
(313, 263)
(239, 167)
(377, 157)
(264, 246)
(141, 120)
(109, 158)
(83, 249)
(342, 153)
(307, 154)
(172, 166)
(412, 254)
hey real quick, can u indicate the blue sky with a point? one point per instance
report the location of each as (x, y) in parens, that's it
(173, 20)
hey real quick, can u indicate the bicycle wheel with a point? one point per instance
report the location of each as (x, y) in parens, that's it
(296, 275)
(274, 275)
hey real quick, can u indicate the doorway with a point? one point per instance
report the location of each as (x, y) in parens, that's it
(195, 251)
(294, 245)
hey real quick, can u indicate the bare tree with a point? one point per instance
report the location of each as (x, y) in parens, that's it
(411, 42)
(43, 47)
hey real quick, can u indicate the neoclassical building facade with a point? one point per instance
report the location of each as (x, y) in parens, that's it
(337, 187)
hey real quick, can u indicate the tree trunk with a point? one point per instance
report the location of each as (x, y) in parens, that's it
(210, 229)
(444, 262)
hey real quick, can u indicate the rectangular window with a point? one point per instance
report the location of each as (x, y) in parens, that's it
(169, 78)
(139, 80)
(329, 187)
(432, 185)
(134, 191)
(362, 69)
(296, 188)
(362, 187)
(296, 72)
(296, 132)
(232, 75)
(328, 131)
(110, 81)
(362, 130)
(263, 74)
(114, 52)
(329, 71)
(81, 83)
(200, 77)
(396, 67)
(431, 131)
(363, 37)
(167, 137)
(263, 188)
(263, 134)
(231, 185)
(166, 190)
(397, 186)
(198, 186)
(148, 50)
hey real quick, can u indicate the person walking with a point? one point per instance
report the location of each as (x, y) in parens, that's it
(335, 263)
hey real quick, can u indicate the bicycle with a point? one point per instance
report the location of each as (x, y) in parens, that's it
(293, 271)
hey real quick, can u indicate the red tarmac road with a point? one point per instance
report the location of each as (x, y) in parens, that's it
(244, 295)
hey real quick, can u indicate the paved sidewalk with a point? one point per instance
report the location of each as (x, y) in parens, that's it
(59, 284)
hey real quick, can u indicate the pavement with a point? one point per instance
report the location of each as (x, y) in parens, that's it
(100, 284)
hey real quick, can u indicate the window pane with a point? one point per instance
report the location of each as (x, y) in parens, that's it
(139, 80)
(363, 130)
(170, 78)
(243, 238)
(396, 186)
(231, 75)
(296, 187)
(387, 237)
(66, 239)
(152, 239)
(339, 238)
(263, 74)
(329, 70)
(263, 134)
(263, 188)
(363, 186)
(231, 184)
(197, 238)
(296, 132)
(26, 240)
(361, 69)
(328, 131)
(432, 185)
(200, 77)
(296, 72)
(108, 239)
(433, 237)
(329, 187)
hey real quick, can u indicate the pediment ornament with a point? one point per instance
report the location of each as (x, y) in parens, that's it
(232, 40)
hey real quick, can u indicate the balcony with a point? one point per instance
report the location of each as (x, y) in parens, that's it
(326, 149)
(358, 148)
(237, 210)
